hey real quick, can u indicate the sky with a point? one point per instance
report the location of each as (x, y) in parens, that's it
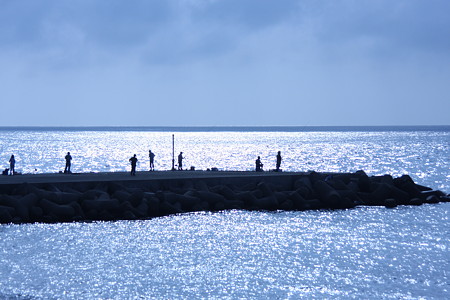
(224, 62)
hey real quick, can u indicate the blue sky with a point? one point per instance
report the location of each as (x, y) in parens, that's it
(224, 62)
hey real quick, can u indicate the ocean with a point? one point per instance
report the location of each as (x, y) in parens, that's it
(366, 252)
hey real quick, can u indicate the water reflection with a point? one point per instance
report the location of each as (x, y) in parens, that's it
(349, 253)
(423, 155)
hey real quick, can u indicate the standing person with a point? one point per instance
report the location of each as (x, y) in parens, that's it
(180, 161)
(12, 164)
(151, 155)
(133, 161)
(68, 158)
(278, 161)
(259, 165)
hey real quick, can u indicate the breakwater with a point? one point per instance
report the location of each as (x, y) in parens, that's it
(108, 197)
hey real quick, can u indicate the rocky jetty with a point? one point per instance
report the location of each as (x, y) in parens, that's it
(112, 200)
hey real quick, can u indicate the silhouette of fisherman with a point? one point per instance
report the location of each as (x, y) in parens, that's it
(12, 164)
(68, 158)
(180, 161)
(151, 155)
(278, 161)
(259, 165)
(133, 161)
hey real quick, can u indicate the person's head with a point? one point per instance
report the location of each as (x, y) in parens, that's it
(12, 156)
(258, 157)
(68, 153)
(135, 155)
(279, 152)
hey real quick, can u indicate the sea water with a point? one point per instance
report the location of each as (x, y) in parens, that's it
(421, 152)
(366, 252)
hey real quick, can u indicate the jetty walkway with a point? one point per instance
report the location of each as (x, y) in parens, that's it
(140, 176)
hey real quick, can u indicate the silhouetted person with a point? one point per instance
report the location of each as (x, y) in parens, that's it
(68, 158)
(180, 161)
(151, 155)
(278, 161)
(133, 161)
(259, 165)
(12, 164)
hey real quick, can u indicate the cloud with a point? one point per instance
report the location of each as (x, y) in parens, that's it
(177, 31)
(383, 27)
(218, 61)
(248, 14)
(102, 22)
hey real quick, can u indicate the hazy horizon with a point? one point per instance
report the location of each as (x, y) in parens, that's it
(225, 63)
(234, 128)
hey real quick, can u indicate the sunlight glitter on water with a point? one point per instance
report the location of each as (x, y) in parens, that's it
(368, 251)
(423, 155)
(234, 254)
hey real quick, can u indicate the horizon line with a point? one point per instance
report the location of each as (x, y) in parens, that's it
(233, 127)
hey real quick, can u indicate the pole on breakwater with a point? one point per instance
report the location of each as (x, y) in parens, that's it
(173, 152)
